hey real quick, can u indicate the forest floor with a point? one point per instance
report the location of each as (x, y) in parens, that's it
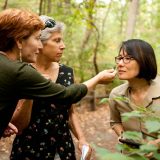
(95, 125)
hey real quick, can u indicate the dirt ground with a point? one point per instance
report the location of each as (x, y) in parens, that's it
(95, 125)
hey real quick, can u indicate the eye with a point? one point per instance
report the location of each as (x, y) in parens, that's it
(119, 58)
(38, 38)
(58, 40)
(127, 58)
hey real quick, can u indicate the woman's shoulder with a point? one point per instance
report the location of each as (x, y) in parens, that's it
(119, 90)
(65, 67)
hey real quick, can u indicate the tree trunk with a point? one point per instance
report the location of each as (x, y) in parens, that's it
(105, 18)
(89, 5)
(40, 7)
(5, 4)
(91, 102)
(49, 6)
(133, 11)
(95, 51)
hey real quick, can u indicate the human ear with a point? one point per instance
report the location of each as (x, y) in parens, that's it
(19, 43)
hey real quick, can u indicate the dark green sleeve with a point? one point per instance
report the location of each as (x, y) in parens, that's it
(30, 84)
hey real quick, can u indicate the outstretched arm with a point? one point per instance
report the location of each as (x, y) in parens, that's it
(103, 77)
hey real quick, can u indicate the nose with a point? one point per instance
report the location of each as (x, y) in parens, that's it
(63, 45)
(121, 63)
(40, 45)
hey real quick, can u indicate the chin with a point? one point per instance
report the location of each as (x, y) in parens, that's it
(29, 60)
(122, 77)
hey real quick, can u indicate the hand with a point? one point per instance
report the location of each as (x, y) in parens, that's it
(80, 145)
(106, 76)
(120, 137)
(155, 143)
(10, 130)
(46, 76)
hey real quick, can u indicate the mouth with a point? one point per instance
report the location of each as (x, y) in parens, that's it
(121, 71)
(59, 54)
(36, 53)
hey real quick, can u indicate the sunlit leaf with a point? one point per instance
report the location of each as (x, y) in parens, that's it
(132, 135)
(152, 126)
(148, 148)
(137, 156)
(128, 115)
(121, 98)
(157, 156)
(104, 100)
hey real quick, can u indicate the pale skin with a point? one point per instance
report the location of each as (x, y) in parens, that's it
(139, 88)
(23, 109)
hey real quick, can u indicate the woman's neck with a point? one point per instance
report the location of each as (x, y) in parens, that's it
(48, 69)
(139, 85)
(138, 91)
(10, 55)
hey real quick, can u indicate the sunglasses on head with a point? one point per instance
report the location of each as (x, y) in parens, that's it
(50, 23)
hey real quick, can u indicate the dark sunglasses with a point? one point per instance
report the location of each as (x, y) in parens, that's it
(50, 23)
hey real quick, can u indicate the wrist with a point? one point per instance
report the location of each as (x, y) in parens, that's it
(82, 138)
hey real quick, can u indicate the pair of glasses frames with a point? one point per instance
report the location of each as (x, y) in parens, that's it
(50, 23)
(125, 59)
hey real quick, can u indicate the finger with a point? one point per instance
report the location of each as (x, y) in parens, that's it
(115, 71)
(13, 127)
(110, 70)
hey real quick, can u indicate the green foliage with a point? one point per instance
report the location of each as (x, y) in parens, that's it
(103, 154)
(152, 125)
(128, 115)
(151, 120)
(104, 100)
(132, 135)
(147, 148)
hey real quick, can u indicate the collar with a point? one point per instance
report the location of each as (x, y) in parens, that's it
(153, 91)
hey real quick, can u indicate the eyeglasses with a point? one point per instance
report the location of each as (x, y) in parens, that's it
(126, 59)
(50, 23)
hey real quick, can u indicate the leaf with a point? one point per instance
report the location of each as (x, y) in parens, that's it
(104, 154)
(148, 148)
(137, 156)
(157, 156)
(152, 125)
(103, 100)
(121, 98)
(128, 115)
(115, 156)
(132, 135)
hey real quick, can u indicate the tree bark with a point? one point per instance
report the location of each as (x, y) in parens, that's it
(49, 7)
(5, 4)
(133, 11)
(40, 7)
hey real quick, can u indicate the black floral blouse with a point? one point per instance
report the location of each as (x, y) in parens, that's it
(48, 132)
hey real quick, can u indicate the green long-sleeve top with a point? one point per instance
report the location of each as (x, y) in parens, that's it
(18, 80)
